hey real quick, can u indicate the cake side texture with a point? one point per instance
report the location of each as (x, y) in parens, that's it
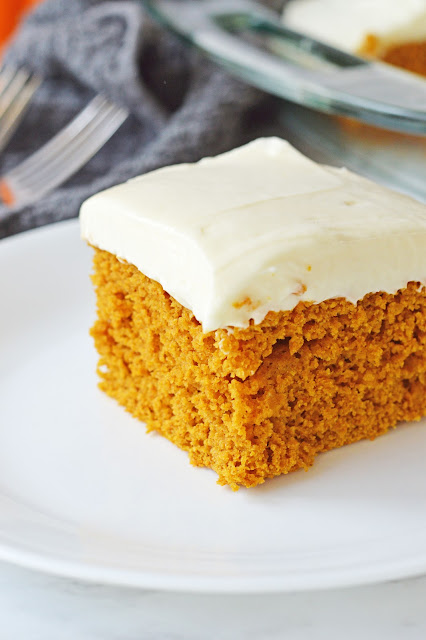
(257, 402)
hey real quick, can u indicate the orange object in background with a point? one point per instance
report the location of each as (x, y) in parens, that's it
(11, 12)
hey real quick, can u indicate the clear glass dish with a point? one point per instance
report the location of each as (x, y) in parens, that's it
(249, 41)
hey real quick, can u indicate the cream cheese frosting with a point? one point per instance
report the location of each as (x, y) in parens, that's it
(259, 229)
(346, 23)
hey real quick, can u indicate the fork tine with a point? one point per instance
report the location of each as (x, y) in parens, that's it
(52, 163)
(6, 75)
(15, 113)
(17, 87)
(66, 136)
(67, 152)
(13, 89)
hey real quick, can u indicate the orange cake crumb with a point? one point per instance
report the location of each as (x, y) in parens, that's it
(410, 55)
(262, 401)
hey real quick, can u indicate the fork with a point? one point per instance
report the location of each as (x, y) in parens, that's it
(17, 87)
(63, 155)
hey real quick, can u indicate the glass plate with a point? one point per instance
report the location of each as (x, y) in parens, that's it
(249, 41)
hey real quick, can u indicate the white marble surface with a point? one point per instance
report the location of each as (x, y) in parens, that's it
(38, 607)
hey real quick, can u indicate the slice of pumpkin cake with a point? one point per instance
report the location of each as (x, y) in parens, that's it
(257, 309)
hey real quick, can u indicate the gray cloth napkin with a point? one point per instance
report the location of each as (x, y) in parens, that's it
(182, 107)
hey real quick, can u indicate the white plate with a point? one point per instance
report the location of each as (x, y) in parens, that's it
(84, 492)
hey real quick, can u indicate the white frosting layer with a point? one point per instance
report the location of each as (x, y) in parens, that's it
(258, 229)
(346, 23)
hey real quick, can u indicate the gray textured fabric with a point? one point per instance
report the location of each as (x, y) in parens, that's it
(182, 107)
